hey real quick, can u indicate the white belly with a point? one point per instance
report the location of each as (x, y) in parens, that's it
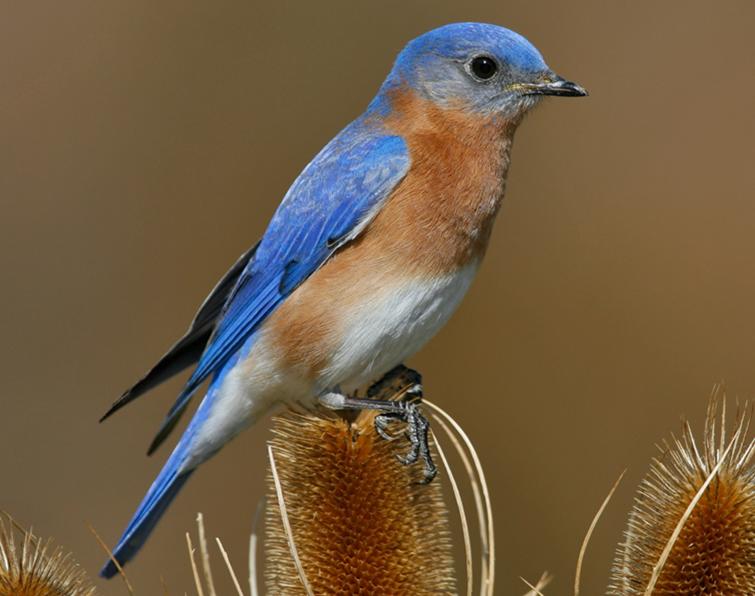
(382, 332)
(377, 334)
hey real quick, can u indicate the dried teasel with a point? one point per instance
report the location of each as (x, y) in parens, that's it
(692, 529)
(32, 567)
(344, 517)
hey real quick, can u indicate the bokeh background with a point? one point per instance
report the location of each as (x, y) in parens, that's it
(145, 145)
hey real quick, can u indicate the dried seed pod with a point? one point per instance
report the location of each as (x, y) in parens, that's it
(361, 522)
(714, 552)
(30, 567)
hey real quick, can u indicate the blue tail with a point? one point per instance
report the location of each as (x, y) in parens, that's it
(182, 462)
(161, 493)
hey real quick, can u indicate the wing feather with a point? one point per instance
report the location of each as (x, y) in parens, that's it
(330, 203)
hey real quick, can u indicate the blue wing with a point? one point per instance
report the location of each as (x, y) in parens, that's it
(330, 203)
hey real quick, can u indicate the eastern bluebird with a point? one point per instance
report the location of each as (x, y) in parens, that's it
(366, 258)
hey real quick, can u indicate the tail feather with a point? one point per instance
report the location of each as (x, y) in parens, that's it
(196, 445)
(160, 495)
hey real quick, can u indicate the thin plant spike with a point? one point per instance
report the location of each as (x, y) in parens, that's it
(286, 523)
(723, 425)
(541, 584)
(253, 587)
(477, 493)
(194, 570)
(545, 579)
(588, 535)
(118, 566)
(253, 541)
(462, 514)
(229, 566)
(206, 567)
(490, 580)
(533, 589)
(678, 529)
(6, 539)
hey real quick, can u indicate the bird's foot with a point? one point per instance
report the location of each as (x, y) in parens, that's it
(403, 388)
(399, 383)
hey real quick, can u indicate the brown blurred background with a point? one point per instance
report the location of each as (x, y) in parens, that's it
(145, 145)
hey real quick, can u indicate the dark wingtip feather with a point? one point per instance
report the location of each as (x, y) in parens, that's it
(187, 350)
(125, 398)
(182, 355)
(156, 442)
(166, 428)
(160, 437)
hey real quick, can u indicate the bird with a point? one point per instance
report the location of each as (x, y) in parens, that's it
(369, 253)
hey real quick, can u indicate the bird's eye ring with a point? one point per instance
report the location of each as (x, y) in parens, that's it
(483, 67)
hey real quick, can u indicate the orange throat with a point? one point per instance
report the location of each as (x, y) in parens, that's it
(443, 210)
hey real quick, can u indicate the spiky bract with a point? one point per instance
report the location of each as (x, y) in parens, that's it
(361, 522)
(32, 567)
(714, 553)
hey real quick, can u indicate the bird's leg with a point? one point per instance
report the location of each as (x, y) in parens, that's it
(405, 385)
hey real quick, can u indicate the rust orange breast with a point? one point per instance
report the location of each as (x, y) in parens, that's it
(441, 215)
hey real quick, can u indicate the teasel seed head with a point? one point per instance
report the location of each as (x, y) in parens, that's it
(677, 545)
(31, 567)
(361, 522)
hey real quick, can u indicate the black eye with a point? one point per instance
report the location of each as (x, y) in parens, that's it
(483, 67)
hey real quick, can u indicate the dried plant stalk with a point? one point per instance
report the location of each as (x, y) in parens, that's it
(361, 522)
(542, 583)
(31, 567)
(710, 551)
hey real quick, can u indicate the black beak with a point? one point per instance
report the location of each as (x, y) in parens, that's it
(556, 86)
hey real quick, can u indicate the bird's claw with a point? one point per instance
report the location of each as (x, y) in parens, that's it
(417, 431)
(397, 398)
(417, 428)
(382, 422)
(407, 384)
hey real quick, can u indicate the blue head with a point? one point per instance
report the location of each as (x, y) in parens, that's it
(483, 68)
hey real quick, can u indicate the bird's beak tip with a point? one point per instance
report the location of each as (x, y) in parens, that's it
(558, 86)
